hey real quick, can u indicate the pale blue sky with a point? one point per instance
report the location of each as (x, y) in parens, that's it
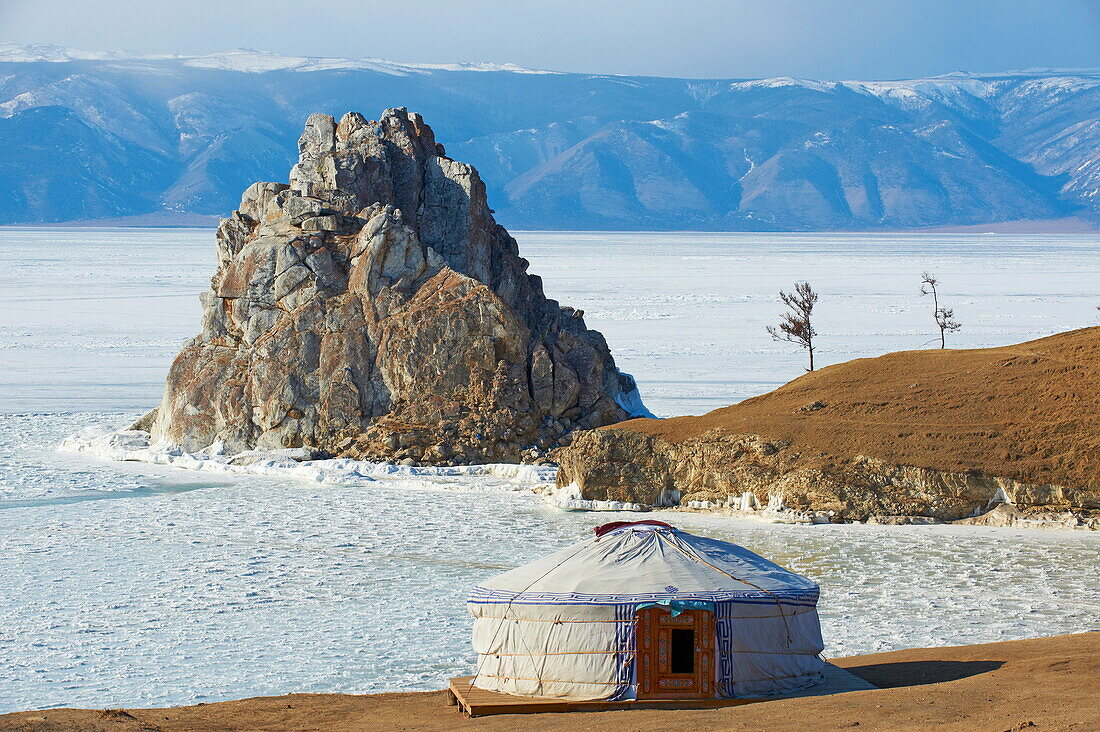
(829, 39)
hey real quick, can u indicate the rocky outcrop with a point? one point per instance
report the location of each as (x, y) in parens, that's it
(757, 476)
(913, 437)
(372, 308)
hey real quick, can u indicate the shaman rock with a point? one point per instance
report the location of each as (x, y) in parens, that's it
(372, 308)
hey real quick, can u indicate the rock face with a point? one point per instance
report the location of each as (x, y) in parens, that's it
(751, 474)
(936, 435)
(372, 308)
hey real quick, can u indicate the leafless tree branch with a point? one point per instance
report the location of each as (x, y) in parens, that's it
(945, 319)
(795, 326)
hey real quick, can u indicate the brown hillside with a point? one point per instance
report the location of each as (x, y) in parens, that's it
(1029, 411)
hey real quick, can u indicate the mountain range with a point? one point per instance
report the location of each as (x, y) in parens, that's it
(109, 135)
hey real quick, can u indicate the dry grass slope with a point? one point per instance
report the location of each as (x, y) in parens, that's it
(1029, 411)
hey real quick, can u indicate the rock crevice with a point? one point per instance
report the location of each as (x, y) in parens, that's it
(372, 308)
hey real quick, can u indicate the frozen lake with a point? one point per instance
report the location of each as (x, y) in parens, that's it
(126, 583)
(92, 317)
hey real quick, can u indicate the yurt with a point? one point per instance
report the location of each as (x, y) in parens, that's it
(645, 611)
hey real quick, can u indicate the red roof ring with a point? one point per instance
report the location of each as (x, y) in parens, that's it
(607, 528)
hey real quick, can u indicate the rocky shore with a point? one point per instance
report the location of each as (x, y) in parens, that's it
(372, 308)
(1001, 436)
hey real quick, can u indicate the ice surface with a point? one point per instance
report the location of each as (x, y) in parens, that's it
(137, 583)
(685, 313)
(109, 443)
(91, 318)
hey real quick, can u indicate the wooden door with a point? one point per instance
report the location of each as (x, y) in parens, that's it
(675, 655)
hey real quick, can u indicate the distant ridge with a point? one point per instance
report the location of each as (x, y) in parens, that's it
(246, 60)
(559, 150)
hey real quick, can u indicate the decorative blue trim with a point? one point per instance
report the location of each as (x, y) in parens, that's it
(624, 652)
(801, 598)
(723, 631)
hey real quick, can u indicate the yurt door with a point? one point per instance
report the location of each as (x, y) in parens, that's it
(675, 655)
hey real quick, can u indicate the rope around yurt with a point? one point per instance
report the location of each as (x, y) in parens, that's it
(692, 555)
(508, 608)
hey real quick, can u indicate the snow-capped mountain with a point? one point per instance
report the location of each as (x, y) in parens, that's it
(89, 135)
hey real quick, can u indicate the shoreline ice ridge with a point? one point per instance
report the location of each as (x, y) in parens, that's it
(569, 498)
(113, 444)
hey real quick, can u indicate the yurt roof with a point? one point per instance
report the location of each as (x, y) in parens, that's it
(651, 561)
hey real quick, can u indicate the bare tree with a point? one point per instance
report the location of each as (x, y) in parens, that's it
(795, 326)
(945, 317)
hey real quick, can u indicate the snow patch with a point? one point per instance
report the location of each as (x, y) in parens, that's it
(780, 82)
(630, 399)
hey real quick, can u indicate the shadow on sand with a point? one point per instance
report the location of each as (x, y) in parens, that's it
(916, 673)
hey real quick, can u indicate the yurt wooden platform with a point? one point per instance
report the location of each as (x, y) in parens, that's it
(481, 703)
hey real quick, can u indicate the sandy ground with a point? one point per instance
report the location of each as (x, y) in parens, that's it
(1027, 411)
(1043, 684)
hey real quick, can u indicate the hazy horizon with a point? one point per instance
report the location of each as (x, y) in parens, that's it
(124, 53)
(847, 39)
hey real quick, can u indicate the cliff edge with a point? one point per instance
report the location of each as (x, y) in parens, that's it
(915, 435)
(372, 308)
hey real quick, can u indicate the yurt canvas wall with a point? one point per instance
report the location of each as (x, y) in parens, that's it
(565, 626)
